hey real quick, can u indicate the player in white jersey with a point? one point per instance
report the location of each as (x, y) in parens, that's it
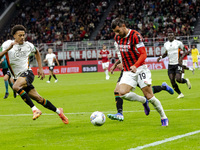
(17, 53)
(50, 59)
(175, 62)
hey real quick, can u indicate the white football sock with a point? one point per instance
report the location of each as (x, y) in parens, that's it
(182, 76)
(158, 107)
(133, 97)
(34, 108)
(106, 72)
(57, 111)
(191, 69)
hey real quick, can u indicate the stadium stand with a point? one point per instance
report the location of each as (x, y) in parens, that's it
(152, 18)
(59, 21)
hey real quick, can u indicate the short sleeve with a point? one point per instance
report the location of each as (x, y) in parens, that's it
(32, 47)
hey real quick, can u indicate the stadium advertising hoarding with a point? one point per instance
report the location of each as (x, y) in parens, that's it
(93, 54)
(96, 66)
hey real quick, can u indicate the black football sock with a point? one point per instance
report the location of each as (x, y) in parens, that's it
(175, 87)
(184, 81)
(47, 104)
(54, 76)
(157, 89)
(49, 77)
(119, 103)
(25, 97)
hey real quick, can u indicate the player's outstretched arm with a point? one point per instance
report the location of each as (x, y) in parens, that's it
(39, 61)
(163, 56)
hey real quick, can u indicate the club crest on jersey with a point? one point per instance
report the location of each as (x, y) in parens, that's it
(19, 54)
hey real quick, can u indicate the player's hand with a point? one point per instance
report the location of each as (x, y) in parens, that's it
(112, 69)
(158, 59)
(133, 69)
(120, 66)
(11, 45)
(41, 74)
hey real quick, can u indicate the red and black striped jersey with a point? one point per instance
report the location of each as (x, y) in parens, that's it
(131, 50)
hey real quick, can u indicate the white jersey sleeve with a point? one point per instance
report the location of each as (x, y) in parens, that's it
(32, 47)
(117, 51)
(6, 44)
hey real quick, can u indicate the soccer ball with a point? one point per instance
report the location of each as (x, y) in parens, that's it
(97, 118)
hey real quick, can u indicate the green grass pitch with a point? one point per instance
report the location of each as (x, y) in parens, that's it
(80, 95)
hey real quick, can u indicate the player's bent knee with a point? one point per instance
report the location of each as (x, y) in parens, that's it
(122, 92)
(16, 88)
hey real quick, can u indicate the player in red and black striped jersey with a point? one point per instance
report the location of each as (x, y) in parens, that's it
(133, 52)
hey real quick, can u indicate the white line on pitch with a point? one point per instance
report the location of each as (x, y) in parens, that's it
(79, 113)
(165, 140)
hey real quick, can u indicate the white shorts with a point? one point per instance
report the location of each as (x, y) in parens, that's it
(184, 63)
(105, 65)
(142, 77)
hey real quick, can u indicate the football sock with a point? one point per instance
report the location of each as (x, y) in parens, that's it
(25, 97)
(57, 111)
(54, 76)
(106, 72)
(49, 77)
(157, 89)
(175, 87)
(184, 81)
(47, 104)
(6, 85)
(191, 69)
(133, 97)
(11, 84)
(119, 103)
(182, 76)
(194, 65)
(158, 107)
(34, 108)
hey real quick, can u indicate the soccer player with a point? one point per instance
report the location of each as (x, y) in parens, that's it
(184, 63)
(119, 101)
(50, 59)
(104, 54)
(7, 79)
(175, 62)
(17, 52)
(135, 72)
(195, 54)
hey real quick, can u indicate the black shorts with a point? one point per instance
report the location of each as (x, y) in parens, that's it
(174, 69)
(120, 75)
(29, 79)
(5, 71)
(51, 68)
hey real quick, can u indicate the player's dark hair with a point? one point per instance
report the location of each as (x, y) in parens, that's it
(17, 28)
(117, 22)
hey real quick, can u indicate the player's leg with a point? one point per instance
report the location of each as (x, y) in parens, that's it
(127, 83)
(164, 86)
(6, 86)
(178, 77)
(119, 105)
(47, 104)
(148, 93)
(18, 87)
(105, 68)
(50, 74)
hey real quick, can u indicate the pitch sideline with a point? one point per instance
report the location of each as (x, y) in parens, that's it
(49, 114)
(165, 140)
